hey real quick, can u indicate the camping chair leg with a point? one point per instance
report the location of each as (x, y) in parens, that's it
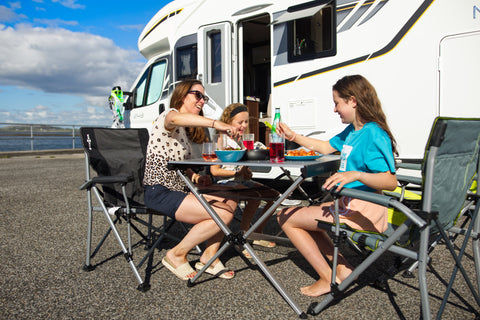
(458, 265)
(316, 307)
(409, 272)
(88, 266)
(476, 245)
(126, 254)
(422, 272)
(166, 226)
(336, 241)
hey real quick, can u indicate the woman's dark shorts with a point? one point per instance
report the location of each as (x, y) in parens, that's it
(162, 199)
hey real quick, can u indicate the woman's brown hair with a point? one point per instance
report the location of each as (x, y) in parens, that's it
(195, 134)
(369, 108)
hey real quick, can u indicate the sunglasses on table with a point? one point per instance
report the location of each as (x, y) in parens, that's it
(199, 95)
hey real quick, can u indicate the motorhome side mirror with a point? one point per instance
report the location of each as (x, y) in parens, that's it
(128, 104)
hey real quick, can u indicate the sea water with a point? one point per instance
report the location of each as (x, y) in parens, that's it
(15, 141)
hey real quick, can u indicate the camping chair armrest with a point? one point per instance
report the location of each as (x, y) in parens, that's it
(383, 200)
(106, 180)
(409, 166)
(409, 179)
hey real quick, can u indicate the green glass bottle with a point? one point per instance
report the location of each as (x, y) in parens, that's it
(276, 119)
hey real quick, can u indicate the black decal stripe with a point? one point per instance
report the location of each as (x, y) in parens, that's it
(389, 47)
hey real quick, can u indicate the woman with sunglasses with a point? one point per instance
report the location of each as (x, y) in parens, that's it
(166, 192)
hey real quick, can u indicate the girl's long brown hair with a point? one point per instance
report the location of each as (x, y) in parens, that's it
(369, 108)
(195, 134)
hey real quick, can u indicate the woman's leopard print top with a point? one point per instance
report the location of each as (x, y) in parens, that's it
(164, 145)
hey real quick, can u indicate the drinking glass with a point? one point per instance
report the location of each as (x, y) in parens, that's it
(208, 151)
(248, 140)
(277, 147)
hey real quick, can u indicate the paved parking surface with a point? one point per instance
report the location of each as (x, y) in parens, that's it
(43, 238)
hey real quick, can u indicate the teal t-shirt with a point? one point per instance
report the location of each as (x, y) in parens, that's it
(366, 150)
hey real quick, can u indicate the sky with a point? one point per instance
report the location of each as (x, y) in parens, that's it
(59, 59)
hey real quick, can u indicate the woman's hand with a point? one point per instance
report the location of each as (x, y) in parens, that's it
(228, 129)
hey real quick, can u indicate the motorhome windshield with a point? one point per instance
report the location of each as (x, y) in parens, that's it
(150, 87)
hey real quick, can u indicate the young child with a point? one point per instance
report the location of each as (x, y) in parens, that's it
(367, 163)
(236, 115)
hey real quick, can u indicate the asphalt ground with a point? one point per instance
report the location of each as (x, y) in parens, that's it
(43, 223)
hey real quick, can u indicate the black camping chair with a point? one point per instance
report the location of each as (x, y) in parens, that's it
(118, 158)
(449, 167)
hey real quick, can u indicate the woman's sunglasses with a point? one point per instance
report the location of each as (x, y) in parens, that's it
(199, 95)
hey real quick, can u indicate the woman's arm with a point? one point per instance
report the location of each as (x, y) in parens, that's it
(185, 119)
(378, 181)
(321, 146)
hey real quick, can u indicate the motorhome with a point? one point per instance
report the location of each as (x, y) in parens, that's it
(420, 55)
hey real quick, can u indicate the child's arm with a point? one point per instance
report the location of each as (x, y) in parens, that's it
(218, 172)
(321, 146)
(378, 181)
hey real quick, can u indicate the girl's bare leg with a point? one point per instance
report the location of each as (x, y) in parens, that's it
(301, 228)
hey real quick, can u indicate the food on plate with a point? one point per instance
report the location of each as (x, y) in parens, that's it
(300, 153)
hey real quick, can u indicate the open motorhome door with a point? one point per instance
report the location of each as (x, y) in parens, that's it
(215, 66)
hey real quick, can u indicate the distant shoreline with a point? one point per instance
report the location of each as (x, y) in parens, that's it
(11, 154)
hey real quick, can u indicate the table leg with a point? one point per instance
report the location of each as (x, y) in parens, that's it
(242, 238)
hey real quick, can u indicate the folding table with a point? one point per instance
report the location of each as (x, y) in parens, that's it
(324, 164)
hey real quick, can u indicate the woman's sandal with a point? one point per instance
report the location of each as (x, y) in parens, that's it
(218, 270)
(184, 271)
(265, 243)
(246, 254)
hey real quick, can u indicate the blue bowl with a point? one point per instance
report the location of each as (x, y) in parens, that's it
(230, 155)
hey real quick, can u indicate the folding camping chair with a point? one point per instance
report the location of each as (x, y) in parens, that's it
(118, 158)
(449, 166)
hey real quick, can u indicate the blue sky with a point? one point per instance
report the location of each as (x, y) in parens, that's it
(59, 59)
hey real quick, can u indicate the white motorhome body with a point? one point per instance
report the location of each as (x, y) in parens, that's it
(421, 56)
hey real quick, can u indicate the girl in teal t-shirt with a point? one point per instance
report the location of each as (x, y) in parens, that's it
(367, 162)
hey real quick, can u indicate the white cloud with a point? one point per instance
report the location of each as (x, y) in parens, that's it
(136, 27)
(9, 15)
(15, 5)
(55, 22)
(82, 115)
(61, 62)
(72, 4)
(57, 60)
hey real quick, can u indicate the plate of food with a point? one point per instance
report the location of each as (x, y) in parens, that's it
(302, 155)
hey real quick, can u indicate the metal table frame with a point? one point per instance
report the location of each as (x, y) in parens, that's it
(325, 164)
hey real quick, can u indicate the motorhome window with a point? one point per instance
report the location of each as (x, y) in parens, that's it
(312, 37)
(187, 62)
(155, 85)
(215, 57)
